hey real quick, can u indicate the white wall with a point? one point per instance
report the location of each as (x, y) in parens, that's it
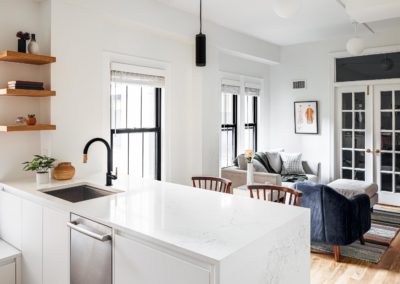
(311, 62)
(83, 31)
(15, 148)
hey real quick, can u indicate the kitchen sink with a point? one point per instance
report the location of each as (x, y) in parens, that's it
(79, 193)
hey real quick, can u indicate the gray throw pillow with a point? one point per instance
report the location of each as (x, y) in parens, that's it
(291, 164)
(275, 161)
(258, 167)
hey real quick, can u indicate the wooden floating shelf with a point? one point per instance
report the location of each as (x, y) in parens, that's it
(27, 58)
(27, 93)
(37, 127)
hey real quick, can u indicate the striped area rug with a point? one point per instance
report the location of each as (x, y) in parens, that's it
(385, 227)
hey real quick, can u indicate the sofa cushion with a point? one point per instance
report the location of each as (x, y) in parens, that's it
(312, 178)
(242, 162)
(291, 164)
(258, 167)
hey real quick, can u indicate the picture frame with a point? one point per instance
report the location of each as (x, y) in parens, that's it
(306, 117)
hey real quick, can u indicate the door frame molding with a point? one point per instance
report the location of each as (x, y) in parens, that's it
(332, 100)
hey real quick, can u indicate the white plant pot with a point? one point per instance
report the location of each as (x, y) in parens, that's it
(250, 173)
(43, 178)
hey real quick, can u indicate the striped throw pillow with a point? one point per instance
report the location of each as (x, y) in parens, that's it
(291, 164)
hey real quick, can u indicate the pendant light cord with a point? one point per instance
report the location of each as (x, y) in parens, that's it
(201, 16)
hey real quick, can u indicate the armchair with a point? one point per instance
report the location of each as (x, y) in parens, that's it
(335, 219)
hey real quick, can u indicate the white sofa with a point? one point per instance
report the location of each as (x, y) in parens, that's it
(238, 176)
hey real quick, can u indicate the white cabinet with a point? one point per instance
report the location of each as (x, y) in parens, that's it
(55, 247)
(10, 218)
(31, 245)
(138, 263)
(7, 273)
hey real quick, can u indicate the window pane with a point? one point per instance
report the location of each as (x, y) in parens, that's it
(397, 99)
(359, 159)
(149, 107)
(347, 120)
(386, 182)
(347, 138)
(386, 121)
(227, 109)
(118, 104)
(386, 100)
(347, 158)
(359, 140)
(149, 155)
(249, 138)
(397, 141)
(120, 152)
(359, 175)
(248, 109)
(397, 117)
(359, 101)
(397, 185)
(348, 174)
(386, 161)
(347, 101)
(359, 120)
(135, 154)
(134, 106)
(386, 141)
(227, 143)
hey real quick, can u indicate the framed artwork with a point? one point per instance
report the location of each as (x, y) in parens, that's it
(306, 117)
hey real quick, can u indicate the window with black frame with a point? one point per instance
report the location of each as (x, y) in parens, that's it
(250, 116)
(136, 123)
(229, 125)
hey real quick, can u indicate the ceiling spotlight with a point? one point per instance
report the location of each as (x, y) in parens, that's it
(355, 45)
(286, 8)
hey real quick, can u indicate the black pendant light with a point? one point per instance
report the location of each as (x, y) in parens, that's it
(201, 43)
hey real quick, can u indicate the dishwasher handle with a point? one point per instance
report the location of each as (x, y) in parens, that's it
(74, 225)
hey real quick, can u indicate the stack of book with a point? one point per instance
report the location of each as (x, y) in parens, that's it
(27, 85)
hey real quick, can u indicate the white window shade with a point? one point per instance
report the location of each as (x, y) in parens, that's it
(137, 79)
(252, 89)
(230, 86)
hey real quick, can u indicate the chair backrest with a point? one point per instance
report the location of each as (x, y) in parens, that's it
(213, 183)
(275, 194)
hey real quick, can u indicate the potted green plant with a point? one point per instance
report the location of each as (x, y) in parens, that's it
(41, 165)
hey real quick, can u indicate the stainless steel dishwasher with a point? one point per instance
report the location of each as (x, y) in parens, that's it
(91, 252)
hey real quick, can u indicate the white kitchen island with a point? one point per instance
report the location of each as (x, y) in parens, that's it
(163, 233)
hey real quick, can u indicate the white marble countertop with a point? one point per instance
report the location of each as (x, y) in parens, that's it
(210, 224)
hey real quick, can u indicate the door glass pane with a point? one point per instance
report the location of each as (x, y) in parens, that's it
(397, 164)
(347, 101)
(359, 159)
(359, 101)
(347, 158)
(386, 100)
(386, 161)
(347, 120)
(397, 185)
(397, 99)
(359, 175)
(386, 182)
(397, 142)
(397, 117)
(359, 140)
(359, 120)
(386, 121)
(347, 174)
(347, 139)
(386, 141)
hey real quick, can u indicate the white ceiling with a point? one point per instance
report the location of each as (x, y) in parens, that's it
(317, 19)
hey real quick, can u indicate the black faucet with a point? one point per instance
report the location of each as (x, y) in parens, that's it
(109, 176)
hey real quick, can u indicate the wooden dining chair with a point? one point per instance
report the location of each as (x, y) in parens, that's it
(213, 183)
(275, 194)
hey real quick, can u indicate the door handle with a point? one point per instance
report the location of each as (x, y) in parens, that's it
(74, 226)
(377, 151)
(368, 150)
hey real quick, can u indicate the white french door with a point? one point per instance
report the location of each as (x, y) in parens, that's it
(387, 142)
(368, 137)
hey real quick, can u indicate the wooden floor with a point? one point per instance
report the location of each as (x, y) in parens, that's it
(325, 270)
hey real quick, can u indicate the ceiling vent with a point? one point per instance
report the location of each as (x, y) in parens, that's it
(365, 11)
(298, 84)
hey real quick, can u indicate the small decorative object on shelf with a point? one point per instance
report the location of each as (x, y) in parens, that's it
(41, 165)
(20, 120)
(64, 171)
(33, 46)
(25, 85)
(22, 38)
(31, 119)
(249, 155)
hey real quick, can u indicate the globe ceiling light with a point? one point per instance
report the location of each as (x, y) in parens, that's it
(355, 45)
(286, 8)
